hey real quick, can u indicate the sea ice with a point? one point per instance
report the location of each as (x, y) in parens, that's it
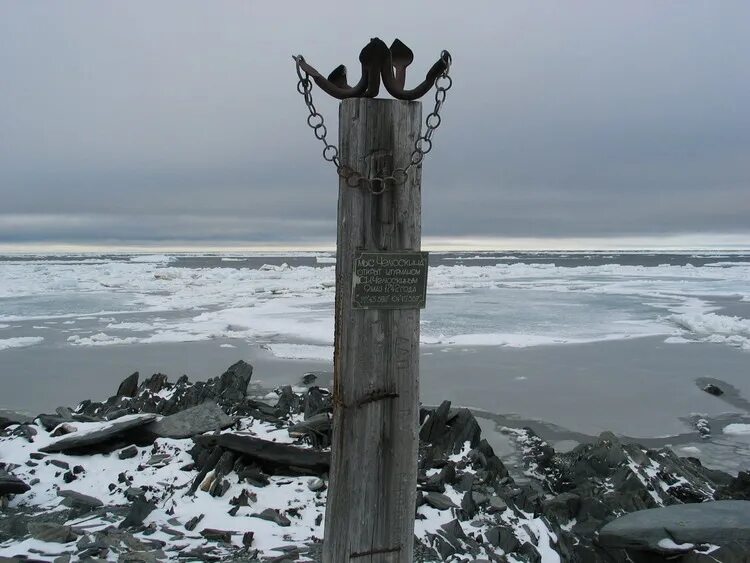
(737, 429)
(19, 342)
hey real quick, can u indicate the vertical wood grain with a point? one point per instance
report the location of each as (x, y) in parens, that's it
(372, 488)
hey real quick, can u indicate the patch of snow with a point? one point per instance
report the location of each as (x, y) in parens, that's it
(152, 259)
(668, 544)
(737, 429)
(302, 351)
(713, 327)
(20, 342)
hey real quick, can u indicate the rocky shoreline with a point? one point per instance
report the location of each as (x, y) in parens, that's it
(204, 472)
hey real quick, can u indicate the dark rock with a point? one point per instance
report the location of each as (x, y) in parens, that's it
(232, 385)
(59, 463)
(217, 535)
(243, 499)
(563, 507)
(717, 523)
(738, 488)
(219, 487)
(281, 456)
(69, 477)
(51, 532)
(317, 429)
(496, 505)
(309, 378)
(129, 386)
(154, 384)
(79, 501)
(703, 427)
(132, 493)
(63, 429)
(158, 460)
(254, 476)
(87, 439)
(316, 485)
(247, 539)
(9, 418)
(92, 547)
(453, 532)
(439, 501)
(11, 485)
(208, 465)
(273, 516)
(503, 538)
(229, 390)
(530, 552)
(288, 401)
(315, 402)
(447, 431)
(712, 389)
(193, 522)
(205, 417)
(50, 421)
(65, 413)
(225, 464)
(468, 506)
(139, 511)
(465, 482)
(128, 453)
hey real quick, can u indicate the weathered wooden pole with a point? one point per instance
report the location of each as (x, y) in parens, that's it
(372, 488)
(381, 281)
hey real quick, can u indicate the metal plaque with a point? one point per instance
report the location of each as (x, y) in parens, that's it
(390, 280)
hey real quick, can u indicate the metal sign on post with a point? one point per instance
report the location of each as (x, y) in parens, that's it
(381, 281)
(390, 280)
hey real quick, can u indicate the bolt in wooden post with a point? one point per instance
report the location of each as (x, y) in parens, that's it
(372, 488)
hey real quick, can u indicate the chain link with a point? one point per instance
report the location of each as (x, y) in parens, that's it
(422, 146)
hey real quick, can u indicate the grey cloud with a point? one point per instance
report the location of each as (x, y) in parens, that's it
(575, 120)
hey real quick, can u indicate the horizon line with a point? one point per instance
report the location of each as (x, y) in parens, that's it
(674, 242)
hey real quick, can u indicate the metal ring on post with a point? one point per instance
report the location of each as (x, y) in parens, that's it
(376, 181)
(399, 175)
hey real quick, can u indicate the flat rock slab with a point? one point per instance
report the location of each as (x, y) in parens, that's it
(298, 460)
(92, 434)
(79, 500)
(205, 417)
(10, 417)
(670, 528)
(11, 485)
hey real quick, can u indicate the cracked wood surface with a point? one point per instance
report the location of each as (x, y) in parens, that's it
(372, 488)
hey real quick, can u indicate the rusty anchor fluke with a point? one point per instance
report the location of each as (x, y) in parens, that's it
(378, 62)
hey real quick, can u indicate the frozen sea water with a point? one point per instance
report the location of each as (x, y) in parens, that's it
(526, 333)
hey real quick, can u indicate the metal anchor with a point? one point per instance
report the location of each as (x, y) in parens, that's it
(378, 61)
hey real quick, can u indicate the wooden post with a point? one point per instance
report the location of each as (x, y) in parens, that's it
(372, 487)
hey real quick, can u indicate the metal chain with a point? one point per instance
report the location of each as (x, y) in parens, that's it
(422, 145)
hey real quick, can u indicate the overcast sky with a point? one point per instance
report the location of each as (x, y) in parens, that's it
(178, 122)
